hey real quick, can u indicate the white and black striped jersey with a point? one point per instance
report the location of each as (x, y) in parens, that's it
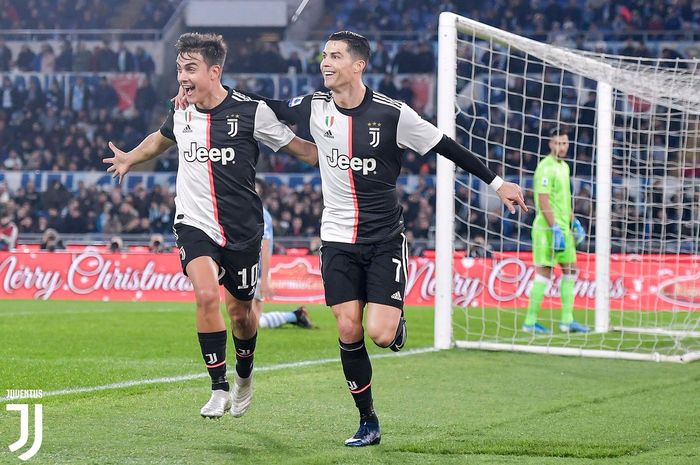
(218, 150)
(360, 152)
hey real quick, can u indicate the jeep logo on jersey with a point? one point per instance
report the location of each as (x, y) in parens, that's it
(374, 133)
(232, 125)
(202, 155)
(343, 162)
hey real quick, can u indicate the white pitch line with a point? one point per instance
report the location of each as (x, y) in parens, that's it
(80, 312)
(177, 379)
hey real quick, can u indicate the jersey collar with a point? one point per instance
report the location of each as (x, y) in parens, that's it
(361, 108)
(216, 108)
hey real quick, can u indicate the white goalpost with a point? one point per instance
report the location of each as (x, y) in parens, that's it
(634, 127)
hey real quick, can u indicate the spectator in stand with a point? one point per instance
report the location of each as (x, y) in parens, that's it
(157, 244)
(388, 88)
(424, 59)
(145, 101)
(80, 96)
(405, 93)
(47, 59)
(25, 59)
(64, 60)
(105, 58)
(116, 244)
(10, 97)
(404, 60)
(143, 62)
(124, 59)
(51, 241)
(379, 60)
(105, 97)
(83, 59)
(294, 64)
(8, 232)
(5, 56)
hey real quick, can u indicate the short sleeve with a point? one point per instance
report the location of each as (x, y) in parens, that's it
(269, 130)
(166, 129)
(544, 181)
(415, 133)
(267, 231)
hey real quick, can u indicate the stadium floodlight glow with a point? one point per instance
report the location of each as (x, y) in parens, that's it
(634, 126)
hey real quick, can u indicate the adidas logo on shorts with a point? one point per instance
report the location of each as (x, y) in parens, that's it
(396, 296)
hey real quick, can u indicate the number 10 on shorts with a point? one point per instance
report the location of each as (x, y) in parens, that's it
(244, 277)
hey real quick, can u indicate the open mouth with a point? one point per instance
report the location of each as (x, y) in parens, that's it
(189, 89)
(328, 73)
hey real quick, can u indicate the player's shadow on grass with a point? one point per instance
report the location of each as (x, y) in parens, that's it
(251, 444)
(526, 448)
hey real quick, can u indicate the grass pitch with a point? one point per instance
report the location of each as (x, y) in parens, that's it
(448, 407)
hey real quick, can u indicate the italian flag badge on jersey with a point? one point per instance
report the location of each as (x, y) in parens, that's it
(188, 116)
(329, 121)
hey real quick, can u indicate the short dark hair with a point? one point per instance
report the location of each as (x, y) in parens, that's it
(211, 46)
(358, 45)
(558, 130)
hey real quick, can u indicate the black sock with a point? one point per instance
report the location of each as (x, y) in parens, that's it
(245, 349)
(213, 347)
(358, 374)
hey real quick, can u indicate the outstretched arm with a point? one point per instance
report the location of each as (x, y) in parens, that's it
(290, 111)
(148, 149)
(509, 193)
(303, 150)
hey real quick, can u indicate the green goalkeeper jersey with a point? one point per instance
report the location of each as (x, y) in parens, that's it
(552, 178)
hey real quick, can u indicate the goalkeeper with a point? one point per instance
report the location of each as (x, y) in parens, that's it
(555, 235)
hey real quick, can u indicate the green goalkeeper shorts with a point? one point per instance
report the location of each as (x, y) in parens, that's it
(543, 253)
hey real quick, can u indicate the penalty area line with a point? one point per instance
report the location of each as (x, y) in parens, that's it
(177, 379)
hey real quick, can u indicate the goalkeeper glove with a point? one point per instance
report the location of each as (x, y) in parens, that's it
(558, 238)
(579, 232)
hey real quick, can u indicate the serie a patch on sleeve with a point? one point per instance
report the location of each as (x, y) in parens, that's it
(295, 101)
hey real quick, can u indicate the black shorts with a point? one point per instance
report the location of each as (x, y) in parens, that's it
(238, 269)
(366, 272)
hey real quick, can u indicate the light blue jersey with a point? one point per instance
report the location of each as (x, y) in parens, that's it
(267, 234)
(267, 231)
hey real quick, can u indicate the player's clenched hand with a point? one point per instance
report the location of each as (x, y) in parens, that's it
(120, 163)
(511, 194)
(180, 100)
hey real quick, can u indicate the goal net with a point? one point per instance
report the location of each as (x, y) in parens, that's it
(634, 131)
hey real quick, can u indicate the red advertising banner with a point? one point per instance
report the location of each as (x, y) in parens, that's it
(637, 282)
(126, 87)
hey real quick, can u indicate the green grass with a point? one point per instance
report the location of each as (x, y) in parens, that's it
(448, 407)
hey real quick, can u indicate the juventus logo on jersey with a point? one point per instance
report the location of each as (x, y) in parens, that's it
(375, 134)
(232, 125)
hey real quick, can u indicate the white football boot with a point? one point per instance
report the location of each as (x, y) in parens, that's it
(218, 405)
(242, 394)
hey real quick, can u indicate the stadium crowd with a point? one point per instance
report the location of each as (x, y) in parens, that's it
(81, 14)
(59, 128)
(100, 58)
(399, 18)
(42, 130)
